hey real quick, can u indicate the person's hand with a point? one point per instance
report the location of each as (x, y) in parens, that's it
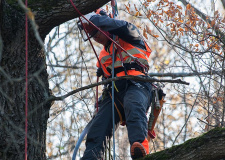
(99, 72)
(102, 12)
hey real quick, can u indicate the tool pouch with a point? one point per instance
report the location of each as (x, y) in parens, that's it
(158, 95)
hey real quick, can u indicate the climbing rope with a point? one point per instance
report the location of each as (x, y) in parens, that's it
(115, 45)
(135, 59)
(26, 83)
(96, 106)
(113, 4)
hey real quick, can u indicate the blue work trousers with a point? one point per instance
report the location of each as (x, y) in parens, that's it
(132, 101)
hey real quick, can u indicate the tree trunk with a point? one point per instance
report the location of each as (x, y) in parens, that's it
(12, 91)
(209, 146)
(48, 14)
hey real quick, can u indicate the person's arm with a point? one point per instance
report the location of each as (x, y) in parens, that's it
(124, 30)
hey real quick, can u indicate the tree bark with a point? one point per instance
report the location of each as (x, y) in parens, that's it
(12, 94)
(209, 146)
(48, 14)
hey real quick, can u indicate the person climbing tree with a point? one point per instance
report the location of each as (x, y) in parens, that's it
(132, 98)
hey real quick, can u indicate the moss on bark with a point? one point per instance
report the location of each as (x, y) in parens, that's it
(196, 147)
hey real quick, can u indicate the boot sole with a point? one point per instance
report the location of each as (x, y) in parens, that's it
(137, 150)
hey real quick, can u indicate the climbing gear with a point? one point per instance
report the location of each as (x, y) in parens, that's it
(115, 45)
(121, 119)
(90, 30)
(139, 150)
(124, 61)
(85, 28)
(113, 3)
(156, 106)
(129, 66)
(85, 25)
(88, 36)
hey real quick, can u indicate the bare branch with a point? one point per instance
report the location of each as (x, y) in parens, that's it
(204, 17)
(72, 67)
(192, 107)
(136, 78)
(182, 74)
(206, 123)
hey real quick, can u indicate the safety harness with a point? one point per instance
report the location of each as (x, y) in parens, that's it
(123, 62)
(158, 98)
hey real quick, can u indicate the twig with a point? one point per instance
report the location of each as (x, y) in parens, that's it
(206, 123)
(187, 118)
(175, 75)
(72, 67)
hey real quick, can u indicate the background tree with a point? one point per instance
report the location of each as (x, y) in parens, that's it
(195, 38)
(176, 53)
(184, 41)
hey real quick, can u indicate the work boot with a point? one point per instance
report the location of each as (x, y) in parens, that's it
(139, 150)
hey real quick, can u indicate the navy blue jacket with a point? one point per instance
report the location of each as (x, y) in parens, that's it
(123, 29)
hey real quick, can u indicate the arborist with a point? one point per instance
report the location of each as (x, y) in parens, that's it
(132, 98)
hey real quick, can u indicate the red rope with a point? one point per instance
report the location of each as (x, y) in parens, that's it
(97, 95)
(134, 58)
(26, 70)
(96, 106)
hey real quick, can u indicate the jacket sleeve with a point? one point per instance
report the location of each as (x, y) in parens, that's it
(124, 30)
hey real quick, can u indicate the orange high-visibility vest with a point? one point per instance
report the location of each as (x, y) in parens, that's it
(106, 58)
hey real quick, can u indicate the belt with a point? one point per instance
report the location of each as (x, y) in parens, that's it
(128, 66)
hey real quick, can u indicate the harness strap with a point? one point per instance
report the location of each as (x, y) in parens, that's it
(121, 119)
(129, 66)
(125, 67)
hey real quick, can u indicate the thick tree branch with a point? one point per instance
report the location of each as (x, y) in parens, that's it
(144, 79)
(135, 78)
(209, 146)
(49, 14)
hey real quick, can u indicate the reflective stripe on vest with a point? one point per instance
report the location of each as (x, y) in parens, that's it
(106, 58)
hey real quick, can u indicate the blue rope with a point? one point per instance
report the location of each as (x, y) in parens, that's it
(113, 114)
(115, 13)
(115, 10)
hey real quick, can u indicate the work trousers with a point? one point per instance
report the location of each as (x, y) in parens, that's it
(132, 102)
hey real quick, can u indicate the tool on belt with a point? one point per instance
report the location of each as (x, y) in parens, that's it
(156, 106)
